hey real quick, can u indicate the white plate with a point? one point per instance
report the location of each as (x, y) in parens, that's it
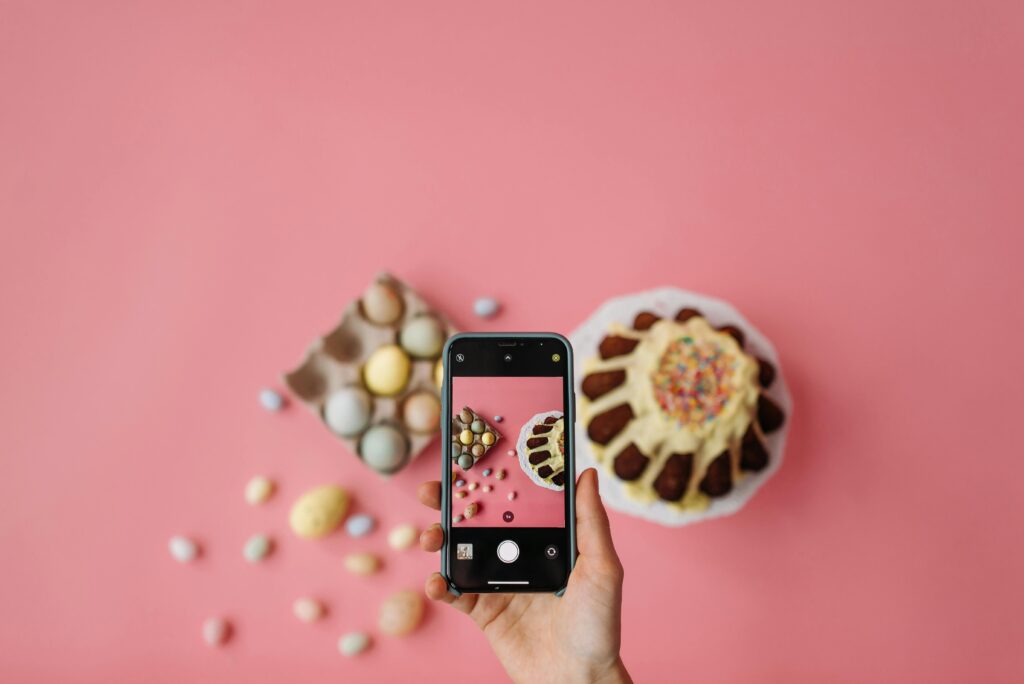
(665, 302)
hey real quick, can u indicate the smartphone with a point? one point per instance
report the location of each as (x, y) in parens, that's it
(508, 491)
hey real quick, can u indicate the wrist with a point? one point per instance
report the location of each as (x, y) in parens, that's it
(613, 673)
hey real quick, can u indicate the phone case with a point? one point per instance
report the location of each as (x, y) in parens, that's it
(446, 475)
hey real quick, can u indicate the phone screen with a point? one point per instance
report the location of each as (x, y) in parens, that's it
(509, 467)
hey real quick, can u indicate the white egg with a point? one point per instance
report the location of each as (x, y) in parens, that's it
(347, 411)
(422, 337)
(183, 549)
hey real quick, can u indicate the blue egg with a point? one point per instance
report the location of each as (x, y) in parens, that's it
(360, 525)
(271, 400)
(486, 307)
(460, 483)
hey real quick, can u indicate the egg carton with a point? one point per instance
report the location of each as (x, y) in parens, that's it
(336, 362)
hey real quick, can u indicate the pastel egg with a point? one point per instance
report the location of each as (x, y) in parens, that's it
(486, 307)
(216, 631)
(271, 400)
(381, 304)
(401, 613)
(360, 525)
(384, 448)
(387, 370)
(465, 461)
(258, 490)
(477, 450)
(422, 337)
(402, 536)
(421, 412)
(183, 549)
(347, 411)
(466, 416)
(466, 437)
(477, 426)
(457, 519)
(319, 511)
(257, 548)
(353, 643)
(362, 563)
(308, 609)
(456, 450)
(487, 438)
(487, 472)
(471, 510)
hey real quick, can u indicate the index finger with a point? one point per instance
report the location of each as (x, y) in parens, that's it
(429, 494)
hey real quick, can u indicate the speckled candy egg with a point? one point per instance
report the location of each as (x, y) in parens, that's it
(381, 304)
(353, 643)
(421, 412)
(319, 511)
(401, 613)
(384, 448)
(422, 337)
(387, 370)
(347, 411)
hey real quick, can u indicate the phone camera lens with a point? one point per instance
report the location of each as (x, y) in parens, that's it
(508, 357)
(460, 358)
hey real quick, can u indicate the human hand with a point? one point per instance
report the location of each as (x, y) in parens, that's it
(543, 637)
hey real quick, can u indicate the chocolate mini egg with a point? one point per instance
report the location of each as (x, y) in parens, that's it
(362, 563)
(387, 370)
(353, 643)
(308, 609)
(422, 337)
(466, 437)
(381, 304)
(487, 438)
(421, 412)
(401, 613)
(347, 411)
(384, 448)
(216, 631)
(477, 426)
(465, 461)
(402, 536)
(319, 511)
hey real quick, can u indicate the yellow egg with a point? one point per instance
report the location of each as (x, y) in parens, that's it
(466, 437)
(487, 438)
(319, 511)
(439, 374)
(387, 370)
(362, 563)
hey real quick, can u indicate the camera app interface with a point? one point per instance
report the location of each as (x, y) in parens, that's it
(508, 505)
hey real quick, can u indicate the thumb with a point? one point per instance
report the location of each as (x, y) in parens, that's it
(593, 533)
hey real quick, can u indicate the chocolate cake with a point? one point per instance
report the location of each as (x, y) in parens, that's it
(674, 408)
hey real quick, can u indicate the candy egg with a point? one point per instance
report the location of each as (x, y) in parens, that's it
(487, 472)
(466, 437)
(477, 450)
(457, 519)
(319, 511)
(487, 488)
(471, 510)
(360, 525)
(258, 490)
(308, 609)
(384, 448)
(183, 549)
(486, 307)
(511, 496)
(465, 461)
(257, 548)
(353, 643)
(460, 483)
(487, 438)
(499, 419)
(347, 411)
(456, 449)
(401, 613)
(362, 563)
(422, 337)
(381, 304)
(387, 370)
(402, 536)
(271, 400)
(460, 495)
(421, 412)
(477, 426)
(466, 416)
(472, 486)
(501, 474)
(216, 631)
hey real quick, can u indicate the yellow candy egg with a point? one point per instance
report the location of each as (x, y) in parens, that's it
(387, 370)
(319, 511)
(466, 437)
(487, 438)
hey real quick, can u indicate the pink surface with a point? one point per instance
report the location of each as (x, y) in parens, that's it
(192, 190)
(517, 400)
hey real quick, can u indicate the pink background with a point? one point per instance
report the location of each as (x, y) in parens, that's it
(191, 191)
(517, 400)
